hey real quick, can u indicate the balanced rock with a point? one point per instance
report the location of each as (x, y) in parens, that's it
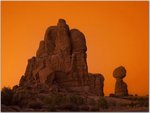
(120, 86)
(60, 63)
(119, 72)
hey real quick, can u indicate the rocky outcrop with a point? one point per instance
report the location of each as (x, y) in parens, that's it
(61, 61)
(96, 82)
(120, 86)
(63, 51)
(59, 67)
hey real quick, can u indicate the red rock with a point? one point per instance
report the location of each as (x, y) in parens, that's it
(120, 86)
(119, 72)
(62, 50)
(60, 64)
(96, 82)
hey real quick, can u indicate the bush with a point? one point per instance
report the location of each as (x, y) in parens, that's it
(112, 95)
(52, 101)
(6, 96)
(94, 108)
(112, 103)
(123, 104)
(68, 107)
(136, 95)
(146, 103)
(92, 102)
(35, 105)
(130, 95)
(58, 100)
(84, 108)
(102, 103)
(77, 100)
(132, 104)
(141, 101)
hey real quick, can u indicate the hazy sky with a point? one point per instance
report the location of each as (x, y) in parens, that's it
(116, 34)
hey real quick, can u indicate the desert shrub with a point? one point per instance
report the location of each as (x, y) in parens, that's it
(23, 97)
(56, 100)
(112, 95)
(94, 108)
(132, 98)
(84, 108)
(65, 102)
(74, 107)
(52, 107)
(35, 105)
(142, 101)
(50, 101)
(146, 103)
(69, 107)
(130, 95)
(6, 96)
(132, 104)
(123, 104)
(102, 103)
(112, 103)
(92, 101)
(77, 100)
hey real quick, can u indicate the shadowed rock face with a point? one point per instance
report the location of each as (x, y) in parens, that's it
(120, 86)
(96, 82)
(61, 60)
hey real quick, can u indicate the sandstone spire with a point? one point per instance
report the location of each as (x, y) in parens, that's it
(61, 60)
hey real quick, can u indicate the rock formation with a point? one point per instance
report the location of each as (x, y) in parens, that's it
(59, 66)
(120, 86)
(61, 56)
(98, 85)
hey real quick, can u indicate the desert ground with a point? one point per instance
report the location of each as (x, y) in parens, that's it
(69, 102)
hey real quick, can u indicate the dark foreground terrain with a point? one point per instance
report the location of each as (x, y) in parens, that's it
(61, 102)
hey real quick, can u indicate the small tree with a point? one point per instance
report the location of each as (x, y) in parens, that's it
(6, 96)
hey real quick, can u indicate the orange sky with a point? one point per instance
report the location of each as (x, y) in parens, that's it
(116, 34)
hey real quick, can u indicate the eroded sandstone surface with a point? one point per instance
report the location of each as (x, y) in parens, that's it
(61, 60)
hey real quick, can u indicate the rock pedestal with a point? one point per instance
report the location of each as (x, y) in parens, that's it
(120, 86)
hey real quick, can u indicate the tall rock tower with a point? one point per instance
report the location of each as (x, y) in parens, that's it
(61, 60)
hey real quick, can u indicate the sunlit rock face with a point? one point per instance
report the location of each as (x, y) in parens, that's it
(61, 61)
(120, 86)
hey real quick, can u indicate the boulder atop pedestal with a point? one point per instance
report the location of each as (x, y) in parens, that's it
(119, 72)
(120, 86)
